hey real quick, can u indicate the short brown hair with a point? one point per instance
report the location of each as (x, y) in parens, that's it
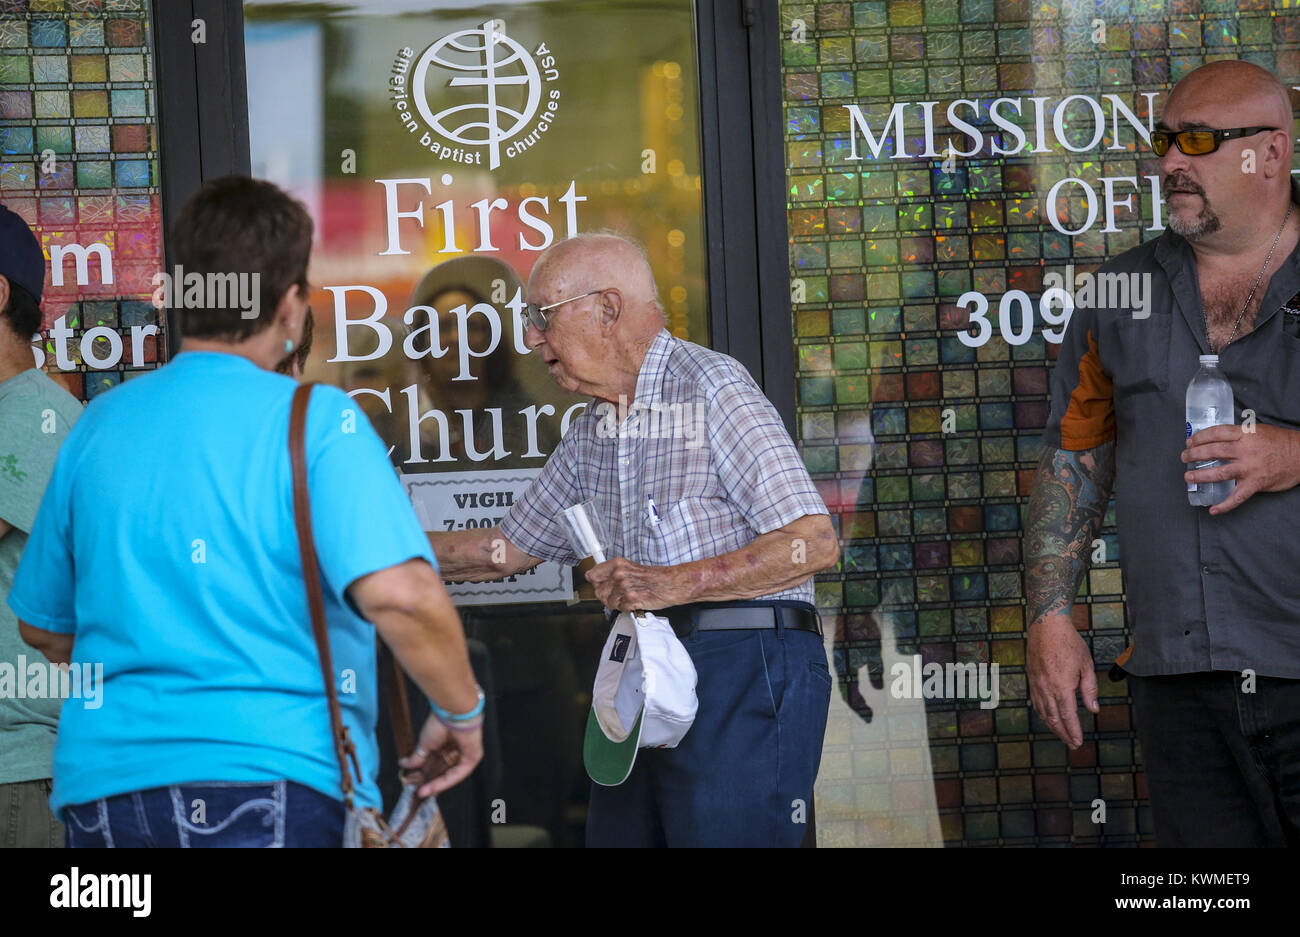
(236, 224)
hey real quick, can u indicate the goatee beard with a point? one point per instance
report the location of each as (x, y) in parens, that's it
(1206, 222)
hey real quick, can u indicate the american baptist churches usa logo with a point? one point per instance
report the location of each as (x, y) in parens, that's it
(494, 96)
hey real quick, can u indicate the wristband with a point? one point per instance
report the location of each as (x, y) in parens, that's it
(472, 726)
(460, 720)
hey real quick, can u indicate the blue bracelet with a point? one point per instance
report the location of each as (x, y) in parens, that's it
(453, 718)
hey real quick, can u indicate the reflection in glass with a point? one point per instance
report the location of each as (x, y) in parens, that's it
(398, 125)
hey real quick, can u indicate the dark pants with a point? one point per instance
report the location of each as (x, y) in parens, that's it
(744, 773)
(1222, 765)
(211, 814)
(25, 818)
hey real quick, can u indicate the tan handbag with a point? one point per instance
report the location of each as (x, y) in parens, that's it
(416, 823)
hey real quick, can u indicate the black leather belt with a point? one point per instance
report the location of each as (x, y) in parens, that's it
(741, 616)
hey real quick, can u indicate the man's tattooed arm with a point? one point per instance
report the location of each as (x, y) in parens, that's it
(1071, 490)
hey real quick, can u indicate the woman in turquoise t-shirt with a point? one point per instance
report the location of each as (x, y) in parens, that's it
(165, 559)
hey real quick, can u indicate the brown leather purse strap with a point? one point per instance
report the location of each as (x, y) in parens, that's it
(398, 704)
(400, 709)
(311, 576)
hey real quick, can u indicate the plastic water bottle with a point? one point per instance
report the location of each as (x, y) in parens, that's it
(1209, 403)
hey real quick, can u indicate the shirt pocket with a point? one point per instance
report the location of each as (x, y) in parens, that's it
(1138, 361)
(676, 538)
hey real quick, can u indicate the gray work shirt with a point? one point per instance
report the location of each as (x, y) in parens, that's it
(1204, 593)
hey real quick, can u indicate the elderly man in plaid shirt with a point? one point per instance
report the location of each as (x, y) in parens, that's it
(715, 525)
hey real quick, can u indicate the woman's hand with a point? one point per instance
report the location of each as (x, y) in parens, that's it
(442, 758)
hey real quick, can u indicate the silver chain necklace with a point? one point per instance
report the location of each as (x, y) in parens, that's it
(1246, 305)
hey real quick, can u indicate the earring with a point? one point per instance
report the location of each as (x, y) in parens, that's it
(288, 345)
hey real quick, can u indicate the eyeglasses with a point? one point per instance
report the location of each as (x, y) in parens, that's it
(1198, 142)
(537, 314)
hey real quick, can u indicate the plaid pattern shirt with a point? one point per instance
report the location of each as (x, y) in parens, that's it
(701, 466)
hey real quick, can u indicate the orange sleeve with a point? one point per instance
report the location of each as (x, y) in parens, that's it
(1089, 416)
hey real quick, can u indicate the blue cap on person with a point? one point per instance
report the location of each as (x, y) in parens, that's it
(21, 259)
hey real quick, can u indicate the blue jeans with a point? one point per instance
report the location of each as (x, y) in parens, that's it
(1222, 765)
(209, 814)
(744, 773)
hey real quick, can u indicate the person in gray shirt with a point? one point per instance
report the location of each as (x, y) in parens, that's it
(1213, 595)
(713, 523)
(35, 416)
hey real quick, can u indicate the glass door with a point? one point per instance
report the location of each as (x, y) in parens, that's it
(440, 151)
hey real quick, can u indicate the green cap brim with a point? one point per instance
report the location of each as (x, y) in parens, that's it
(609, 763)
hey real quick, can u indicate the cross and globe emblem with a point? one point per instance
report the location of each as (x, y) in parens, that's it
(502, 63)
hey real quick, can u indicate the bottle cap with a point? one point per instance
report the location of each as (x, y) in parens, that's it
(1209, 359)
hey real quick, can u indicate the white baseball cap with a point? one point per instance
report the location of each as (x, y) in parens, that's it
(644, 696)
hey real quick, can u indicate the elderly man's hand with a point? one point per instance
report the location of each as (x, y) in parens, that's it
(1267, 459)
(629, 587)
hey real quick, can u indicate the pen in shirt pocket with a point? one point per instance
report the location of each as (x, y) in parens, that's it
(651, 512)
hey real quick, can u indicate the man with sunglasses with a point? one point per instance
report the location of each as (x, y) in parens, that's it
(1212, 600)
(720, 531)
